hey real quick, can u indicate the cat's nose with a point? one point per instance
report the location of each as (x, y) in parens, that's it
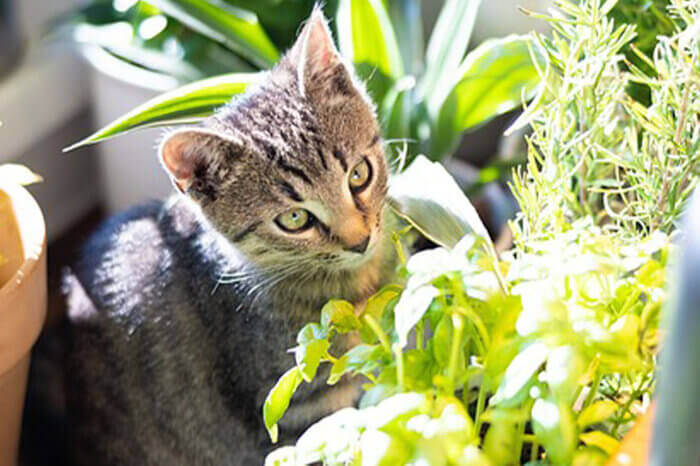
(360, 247)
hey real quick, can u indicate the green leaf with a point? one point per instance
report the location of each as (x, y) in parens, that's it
(493, 79)
(312, 331)
(446, 48)
(366, 36)
(501, 442)
(339, 315)
(555, 429)
(378, 302)
(442, 340)
(235, 28)
(520, 372)
(601, 440)
(597, 412)
(309, 357)
(277, 400)
(189, 103)
(364, 358)
(427, 196)
(338, 369)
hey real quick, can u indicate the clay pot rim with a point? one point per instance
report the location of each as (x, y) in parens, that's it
(32, 231)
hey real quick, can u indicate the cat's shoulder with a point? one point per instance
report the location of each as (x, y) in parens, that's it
(122, 262)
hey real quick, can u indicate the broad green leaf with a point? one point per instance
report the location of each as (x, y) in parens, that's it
(493, 79)
(277, 401)
(601, 440)
(338, 369)
(339, 315)
(18, 174)
(377, 303)
(410, 309)
(364, 358)
(310, 332)
(188, 103)
(442, 340)
(366, 36)
(555, 429)
(597, 412)
(235, 28)
(521, 370)
(446, 48)
(500, 442)
(427, 196)
(308, 357)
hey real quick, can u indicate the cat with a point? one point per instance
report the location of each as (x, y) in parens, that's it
(182, 311)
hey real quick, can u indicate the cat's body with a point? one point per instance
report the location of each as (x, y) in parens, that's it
(182, 312)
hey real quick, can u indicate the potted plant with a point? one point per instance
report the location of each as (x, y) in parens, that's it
(428, 92)
(22, 298)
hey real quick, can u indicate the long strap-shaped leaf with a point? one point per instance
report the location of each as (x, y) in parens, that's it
(366, 36)
(188, 103)
(492, 80)
(237, 29)
(446, 48)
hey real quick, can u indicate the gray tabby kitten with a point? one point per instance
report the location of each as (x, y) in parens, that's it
(182, 312)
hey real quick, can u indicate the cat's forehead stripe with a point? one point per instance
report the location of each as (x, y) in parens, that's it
(289, 191)
(338, 154)
(299, 173)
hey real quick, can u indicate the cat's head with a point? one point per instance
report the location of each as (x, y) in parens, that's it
(294, 169)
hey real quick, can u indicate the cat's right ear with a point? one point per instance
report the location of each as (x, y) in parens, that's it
(196, 160)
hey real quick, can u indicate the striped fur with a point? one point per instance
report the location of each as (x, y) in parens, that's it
(182, 312)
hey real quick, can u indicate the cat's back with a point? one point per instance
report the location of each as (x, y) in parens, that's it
(140, 361)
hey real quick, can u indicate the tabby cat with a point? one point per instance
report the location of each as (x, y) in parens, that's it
(182, 311)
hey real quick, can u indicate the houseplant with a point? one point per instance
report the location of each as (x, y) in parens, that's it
(546, 354)
(427, 94)
(22, 298)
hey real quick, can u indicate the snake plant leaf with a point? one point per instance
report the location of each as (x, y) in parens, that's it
(186, 104)
(235, 28)
(446, 48)
(493, 79)
(366, 37)
(427, 196)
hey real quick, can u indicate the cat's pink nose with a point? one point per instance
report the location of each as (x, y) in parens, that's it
(360, 247)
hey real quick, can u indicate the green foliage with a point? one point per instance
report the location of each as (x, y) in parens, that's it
(547, 352)
(560, 360)
(426, 101)
(595, 151)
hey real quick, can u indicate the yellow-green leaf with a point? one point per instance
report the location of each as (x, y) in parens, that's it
(277, 400)
(601, 440)
(186, 104)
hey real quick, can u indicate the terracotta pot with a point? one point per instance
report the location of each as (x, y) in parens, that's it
(22, 306)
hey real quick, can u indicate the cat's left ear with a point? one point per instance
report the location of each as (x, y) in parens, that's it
(315, 58)
(197, 160)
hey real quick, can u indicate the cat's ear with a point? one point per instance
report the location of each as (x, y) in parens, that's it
(315, 57)
(197, 160)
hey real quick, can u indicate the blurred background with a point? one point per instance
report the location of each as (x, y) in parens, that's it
(68, 67)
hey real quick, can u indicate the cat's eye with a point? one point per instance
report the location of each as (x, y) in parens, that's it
(295, 220)
(360, 176)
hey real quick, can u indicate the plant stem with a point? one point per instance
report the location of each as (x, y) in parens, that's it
(480, 402)
(458, 323)
(594, 390)
(377, 329)
(399, 365)
(420, 328)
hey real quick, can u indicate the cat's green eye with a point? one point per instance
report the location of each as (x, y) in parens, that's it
(360, 176)
(295, 220)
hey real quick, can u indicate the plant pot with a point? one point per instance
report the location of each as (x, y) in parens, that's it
(22, 306)
(128, 165)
